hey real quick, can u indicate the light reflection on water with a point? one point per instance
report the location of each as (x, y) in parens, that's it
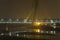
(37, 35)
(28, 30)
(37, 30)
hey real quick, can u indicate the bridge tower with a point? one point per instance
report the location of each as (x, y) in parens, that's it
(35, 17)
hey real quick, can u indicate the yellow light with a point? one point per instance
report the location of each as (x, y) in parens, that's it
(37, 30)
(37, 23)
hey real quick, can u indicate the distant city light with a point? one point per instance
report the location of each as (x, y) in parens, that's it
(51, 32)
(17, 35)
(37, 30)
(2, 19)
(2, 33)
(10, 19)
(47, 32)
(17, 19)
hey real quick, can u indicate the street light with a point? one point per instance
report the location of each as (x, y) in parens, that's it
(36, 23)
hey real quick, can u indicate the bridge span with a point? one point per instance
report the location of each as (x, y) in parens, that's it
(2, 20)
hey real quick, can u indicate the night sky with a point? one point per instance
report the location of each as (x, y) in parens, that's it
(22, 8)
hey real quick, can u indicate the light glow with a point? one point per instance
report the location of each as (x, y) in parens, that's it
(37, 30)
(37, 23)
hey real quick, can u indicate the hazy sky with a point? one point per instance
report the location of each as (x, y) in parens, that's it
(23, 8)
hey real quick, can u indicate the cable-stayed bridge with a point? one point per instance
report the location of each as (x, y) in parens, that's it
(15, 24)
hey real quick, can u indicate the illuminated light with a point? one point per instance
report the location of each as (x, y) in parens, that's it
(24, 35)
(2, 19)
(17, 35)
(9, 33)
(37, 30)
(25, 20)
(54, 27)
(17, 19)
(37, 23)
(2, 33)
(51, 21)
(51, 32)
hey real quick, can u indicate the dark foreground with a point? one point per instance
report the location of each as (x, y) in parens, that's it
(17, 38)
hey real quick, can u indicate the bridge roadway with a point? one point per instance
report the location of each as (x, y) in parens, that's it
(29, 21)
(55, 22)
